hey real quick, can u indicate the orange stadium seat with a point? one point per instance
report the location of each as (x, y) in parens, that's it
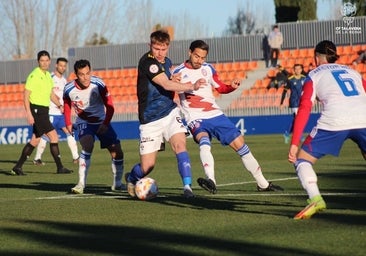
(271, 73)
(285, 53)
(303, 53)
(356, 48)
(241, 74)
(124, 73)
(295, 53)
(252, 65)
(258, 84)
(227, 66)
(245, 92)
(112, 82)
(253, 91)
(71, 77)
(132, 72)
(340, 50)
(218, 66)
(266, 81)
(235, 66)
(109, 74)
(272, 90)
(2, 89)
(347, 49)
(244, 65)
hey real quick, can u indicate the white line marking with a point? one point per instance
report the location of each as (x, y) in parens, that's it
(112, 195)
(250, 182)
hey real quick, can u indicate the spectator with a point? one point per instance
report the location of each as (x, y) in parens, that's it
(275, 40)
(361, 57)
(280, 79)
(266, 50)
(310, 68)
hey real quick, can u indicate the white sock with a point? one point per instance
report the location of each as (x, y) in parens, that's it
(187, 187)
(207, 161)
(73, 146)
(308, 178)
(117, 170)
(251, 164)
(40, 148)
(84, 164)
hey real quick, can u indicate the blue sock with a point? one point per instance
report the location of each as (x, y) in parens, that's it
(136, 174)
(243, 150)
(184, 167)
(205, 140)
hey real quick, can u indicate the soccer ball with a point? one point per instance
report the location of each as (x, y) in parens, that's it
(146, 188)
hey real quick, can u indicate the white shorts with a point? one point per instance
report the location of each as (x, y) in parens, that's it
(152, 134)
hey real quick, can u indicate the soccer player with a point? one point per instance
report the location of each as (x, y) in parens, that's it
(56, 116)
(37, 96)
(294, 84)
(159, 115)
(89, 97)
(341, 90)
(205, 119)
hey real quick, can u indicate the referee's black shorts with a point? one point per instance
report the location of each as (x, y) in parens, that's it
(42, 124)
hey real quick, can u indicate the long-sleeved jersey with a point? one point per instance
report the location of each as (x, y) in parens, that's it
(92, 105)
(341, 91)
(201, 104)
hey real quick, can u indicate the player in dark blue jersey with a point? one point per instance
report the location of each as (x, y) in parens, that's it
(294, 84)
(159, 115)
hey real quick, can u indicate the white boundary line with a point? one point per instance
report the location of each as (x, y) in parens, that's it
(250, 182)
(113, 195)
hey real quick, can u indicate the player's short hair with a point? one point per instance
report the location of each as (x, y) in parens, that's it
(43, 53)
(199, 44)
(79, 64)
(328, 49)
(61, 59)
(298, 65)
(160, 37)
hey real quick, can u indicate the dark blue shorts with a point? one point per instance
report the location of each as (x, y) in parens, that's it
(106, 139)
(321, 142)
(219, 127)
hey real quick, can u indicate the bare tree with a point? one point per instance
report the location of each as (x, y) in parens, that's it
(53, 25)
(28, 26)
(242, 24)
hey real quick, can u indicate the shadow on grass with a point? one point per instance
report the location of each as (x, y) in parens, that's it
(5, 172)
(59, 187)
(81, 238)
(8, 161)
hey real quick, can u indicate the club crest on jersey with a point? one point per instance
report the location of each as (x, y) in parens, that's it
(153, 68)
(179, 120)
(204, 72)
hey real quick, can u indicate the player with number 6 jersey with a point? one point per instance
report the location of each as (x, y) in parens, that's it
(341, 91)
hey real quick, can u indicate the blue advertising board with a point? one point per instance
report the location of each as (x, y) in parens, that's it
(251, 125)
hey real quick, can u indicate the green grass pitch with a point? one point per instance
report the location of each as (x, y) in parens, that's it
(39, 217)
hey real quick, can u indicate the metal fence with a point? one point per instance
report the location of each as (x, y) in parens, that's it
(224, 49)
